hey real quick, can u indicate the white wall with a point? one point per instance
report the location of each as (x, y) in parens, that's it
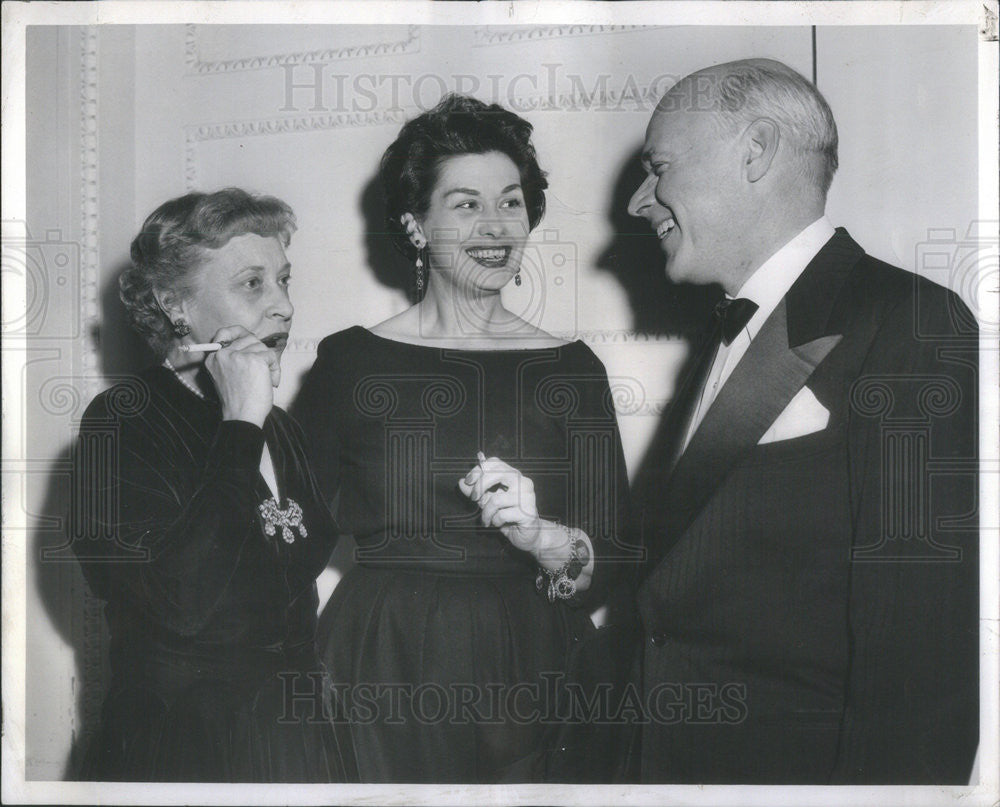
(123, 118)
(906, 113)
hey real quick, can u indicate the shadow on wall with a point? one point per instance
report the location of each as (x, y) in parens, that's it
(659, 307)
(120, 350)
(389, 266)
(75, 614)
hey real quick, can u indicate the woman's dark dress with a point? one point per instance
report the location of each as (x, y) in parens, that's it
(211, 620)
(452, 664)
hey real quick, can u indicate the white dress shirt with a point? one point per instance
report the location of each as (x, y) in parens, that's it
(766, 287)
(267, 471)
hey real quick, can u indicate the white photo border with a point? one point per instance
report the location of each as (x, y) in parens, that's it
(17, 16)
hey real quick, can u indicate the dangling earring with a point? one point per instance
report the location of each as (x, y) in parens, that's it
(517, 278)
(419, 266)
(418, 241)
(181, 328)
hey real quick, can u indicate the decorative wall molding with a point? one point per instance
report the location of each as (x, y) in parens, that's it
(486, 35)
(195, 65)
(629, 98)
(89, 199)
(190, 161)
(300, 123)
(90, 646)
(273, 126)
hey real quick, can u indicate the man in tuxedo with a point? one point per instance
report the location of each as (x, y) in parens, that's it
(809, 602)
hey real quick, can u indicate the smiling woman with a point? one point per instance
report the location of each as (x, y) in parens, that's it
(477, 224)
(207, 530)
(476, 459)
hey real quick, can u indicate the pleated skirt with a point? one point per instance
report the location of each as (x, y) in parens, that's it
(450, 678)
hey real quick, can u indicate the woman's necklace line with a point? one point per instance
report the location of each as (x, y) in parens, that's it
(183, 380)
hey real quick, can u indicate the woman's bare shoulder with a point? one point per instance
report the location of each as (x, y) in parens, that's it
(535, 336)
(398, 326)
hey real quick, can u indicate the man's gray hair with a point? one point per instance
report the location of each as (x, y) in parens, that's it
(745, 91)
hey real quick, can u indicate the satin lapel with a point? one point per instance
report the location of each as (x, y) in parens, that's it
(766, 379)
(799, 334)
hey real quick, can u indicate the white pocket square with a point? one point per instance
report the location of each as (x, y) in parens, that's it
(803, 415)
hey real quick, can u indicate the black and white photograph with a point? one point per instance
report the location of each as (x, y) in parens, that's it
(476, 403)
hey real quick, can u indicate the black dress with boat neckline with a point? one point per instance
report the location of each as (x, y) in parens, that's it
(440, 621)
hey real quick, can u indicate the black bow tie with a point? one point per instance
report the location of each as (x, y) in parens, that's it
(734, 315)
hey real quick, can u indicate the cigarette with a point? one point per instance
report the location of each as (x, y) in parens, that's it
(210, 347)
(482, 470)
(204, 347)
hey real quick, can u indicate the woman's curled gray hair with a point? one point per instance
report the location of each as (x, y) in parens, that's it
(173, 240)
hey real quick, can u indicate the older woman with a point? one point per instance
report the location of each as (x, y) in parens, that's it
(477, 461)
(197, 518)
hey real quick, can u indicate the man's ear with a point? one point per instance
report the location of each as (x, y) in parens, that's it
(761, 140)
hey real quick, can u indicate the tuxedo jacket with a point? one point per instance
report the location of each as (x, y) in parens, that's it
(809, 606)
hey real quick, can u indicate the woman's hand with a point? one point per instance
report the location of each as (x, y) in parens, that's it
(245, 372)
(507, 500)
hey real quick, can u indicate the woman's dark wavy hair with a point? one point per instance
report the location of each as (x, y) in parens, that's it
(457, 125)
(173, 240)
